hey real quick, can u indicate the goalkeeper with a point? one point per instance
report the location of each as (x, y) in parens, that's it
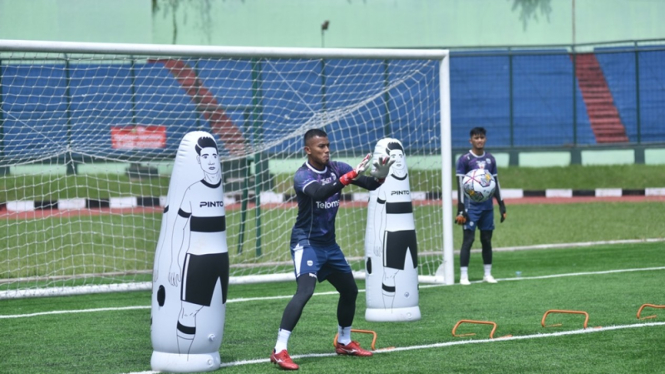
(316, 254)
(471, 214)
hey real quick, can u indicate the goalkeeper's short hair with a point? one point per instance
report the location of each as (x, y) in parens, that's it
(477, 131)
(312, 133)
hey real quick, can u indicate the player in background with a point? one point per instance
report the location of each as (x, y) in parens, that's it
(201, 218)
(315, 252)
(471, 214)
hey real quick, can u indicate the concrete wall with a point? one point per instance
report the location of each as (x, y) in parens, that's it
(353, 23)
(77, 20)
(410, 23)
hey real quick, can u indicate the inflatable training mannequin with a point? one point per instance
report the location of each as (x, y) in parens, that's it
(191, 271)
(391, 248)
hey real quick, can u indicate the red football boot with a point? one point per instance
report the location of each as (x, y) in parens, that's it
(352, 349)
(283, 360)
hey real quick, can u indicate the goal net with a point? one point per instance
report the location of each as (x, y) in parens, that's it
(89, 132)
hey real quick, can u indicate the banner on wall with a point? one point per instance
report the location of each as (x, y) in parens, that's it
(138, 137)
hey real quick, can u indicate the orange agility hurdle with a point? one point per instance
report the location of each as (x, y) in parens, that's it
(476, 322)
(364, 332)
(586, 315)
(650, 306)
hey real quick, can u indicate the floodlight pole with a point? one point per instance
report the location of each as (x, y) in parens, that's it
(324, 27)
(573, 22)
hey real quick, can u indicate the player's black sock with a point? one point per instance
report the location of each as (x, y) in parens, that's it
(306, 284)
(348, 293)
(486, 241)
(465, 251)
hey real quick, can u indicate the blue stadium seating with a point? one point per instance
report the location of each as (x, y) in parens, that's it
(43, 103)
(620, 73)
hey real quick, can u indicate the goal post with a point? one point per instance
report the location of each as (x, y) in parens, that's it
(89, 132)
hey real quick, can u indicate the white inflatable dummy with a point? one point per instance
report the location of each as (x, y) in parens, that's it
(191, 272)
(391, 248)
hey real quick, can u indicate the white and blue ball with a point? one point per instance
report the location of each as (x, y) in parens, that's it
(479, 185)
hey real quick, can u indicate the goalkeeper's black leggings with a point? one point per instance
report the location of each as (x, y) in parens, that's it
(346, 306)
(467, 242)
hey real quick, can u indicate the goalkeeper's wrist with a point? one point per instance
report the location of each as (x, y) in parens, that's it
(347, 178)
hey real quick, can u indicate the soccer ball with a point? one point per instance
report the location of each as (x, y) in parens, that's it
(479, 185)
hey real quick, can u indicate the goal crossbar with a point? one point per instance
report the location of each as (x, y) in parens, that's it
(217, 51)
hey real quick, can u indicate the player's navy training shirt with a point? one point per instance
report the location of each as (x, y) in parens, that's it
(470, 161)
(316, 219)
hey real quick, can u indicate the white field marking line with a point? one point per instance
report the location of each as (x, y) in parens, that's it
(559, 275)
(579, 244)
(452, 343)
(546, 246)
(240, 300)
(72, 311)
(463, 342)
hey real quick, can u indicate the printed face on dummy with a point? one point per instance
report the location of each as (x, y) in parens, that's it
(209, 161)
(318, 151)
(399, 167)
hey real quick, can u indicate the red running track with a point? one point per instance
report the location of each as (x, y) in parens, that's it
(51, 213)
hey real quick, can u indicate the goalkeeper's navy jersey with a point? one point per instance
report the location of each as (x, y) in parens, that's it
(470, 161)
(316, 219)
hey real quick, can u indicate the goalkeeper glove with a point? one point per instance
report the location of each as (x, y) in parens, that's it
(462, 217)
(355, 173)
(381, 167)
(502, 210)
